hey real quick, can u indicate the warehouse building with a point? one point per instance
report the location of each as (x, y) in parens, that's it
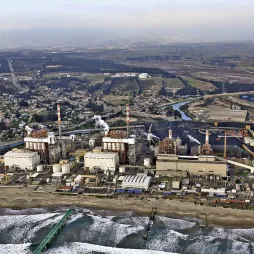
(104, 161)
(22, 159)
(227, 115)
(139, 181)
(174, 165)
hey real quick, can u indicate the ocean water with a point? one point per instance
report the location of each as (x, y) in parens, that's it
(96, 231)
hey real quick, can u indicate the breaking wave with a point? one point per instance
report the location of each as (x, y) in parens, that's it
(93, 231)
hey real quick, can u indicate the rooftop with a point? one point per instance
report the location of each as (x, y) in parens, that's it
(92, 155)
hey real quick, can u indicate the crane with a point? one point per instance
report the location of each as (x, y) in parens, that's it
(231, 135)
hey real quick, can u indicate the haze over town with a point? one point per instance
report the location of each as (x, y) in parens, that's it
(65, 23)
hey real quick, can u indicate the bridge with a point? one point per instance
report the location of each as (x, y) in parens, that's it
(53, 232)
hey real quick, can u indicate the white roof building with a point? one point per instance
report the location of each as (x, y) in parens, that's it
(139, 181)
(23, 159)
(104, 161)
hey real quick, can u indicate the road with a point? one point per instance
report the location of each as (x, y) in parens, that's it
(10, 144)
(13, 76)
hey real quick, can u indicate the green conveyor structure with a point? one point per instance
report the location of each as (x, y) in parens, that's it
(53, 232)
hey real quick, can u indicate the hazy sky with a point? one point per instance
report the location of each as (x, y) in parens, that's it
(228, 16)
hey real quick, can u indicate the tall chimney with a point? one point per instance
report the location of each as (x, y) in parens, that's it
(170, 136)
(207, 137)
(59, 120)
(128, 119)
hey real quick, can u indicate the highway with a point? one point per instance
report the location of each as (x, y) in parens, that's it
(13, 76)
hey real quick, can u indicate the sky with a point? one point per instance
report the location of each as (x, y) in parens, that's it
(187, 18)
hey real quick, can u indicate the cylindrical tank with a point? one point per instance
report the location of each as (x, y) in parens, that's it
(91, 143)
(56, 168)
(31, 146)
(122, 147)
(156, 150)
(39, 168)
(114, 146)
(170, 135)
(109, 146)
(105, 146)
(121, 170)
(35, 146)
(118, 146)
(43, 147)
(66, 169)
(178, 142)
(27, 145)
(147, 162)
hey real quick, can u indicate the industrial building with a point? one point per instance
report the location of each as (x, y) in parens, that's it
(172, 145)
(51, 148)
(194, 165)
(22, 159)
(227, 115)
(118, 141)
(104, 161)
(139, 181)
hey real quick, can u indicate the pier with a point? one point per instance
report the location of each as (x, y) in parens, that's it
(53, 232)
(150, 223)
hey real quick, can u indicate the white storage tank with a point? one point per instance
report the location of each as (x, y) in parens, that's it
(113, 146)
(121, 170)
(105, 146)
(56, 168)
(39, 168)
(147, 162)
(118, 146)
(109, 146)
(91, 143)
(27, 145)
(66, 169)
(122, 147)
(43, 146)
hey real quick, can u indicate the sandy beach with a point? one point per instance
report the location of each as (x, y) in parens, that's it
(19, 198)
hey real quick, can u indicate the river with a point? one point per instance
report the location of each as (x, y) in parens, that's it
(177, 107)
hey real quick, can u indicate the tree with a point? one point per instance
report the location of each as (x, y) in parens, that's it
(23, 103)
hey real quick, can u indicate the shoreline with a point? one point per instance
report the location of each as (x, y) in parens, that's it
(23, 198)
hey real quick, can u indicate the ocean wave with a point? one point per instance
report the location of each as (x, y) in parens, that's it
(85, 248)
(176, 223)
(20, 228)
(104, 230)
(166, 240)
(213, 245)
(15, 248)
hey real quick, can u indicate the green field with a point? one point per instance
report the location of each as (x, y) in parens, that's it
(201, 85)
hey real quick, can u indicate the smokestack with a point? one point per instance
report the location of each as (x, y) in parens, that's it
(207, 137)
(128, 119)
(170, 135)
(59, 120)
